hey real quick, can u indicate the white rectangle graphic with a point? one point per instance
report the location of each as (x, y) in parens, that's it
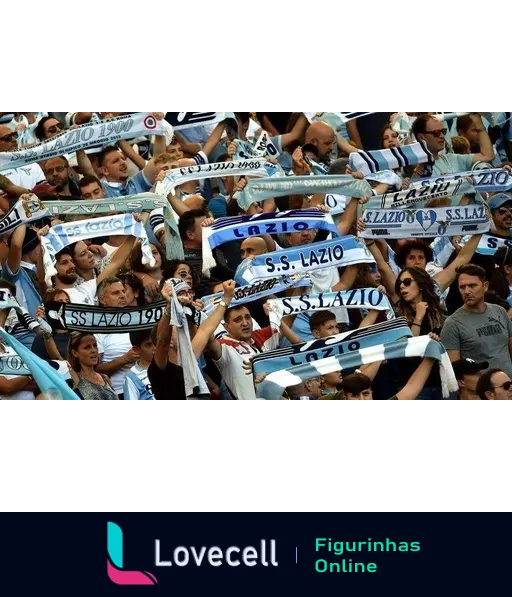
(433, 493)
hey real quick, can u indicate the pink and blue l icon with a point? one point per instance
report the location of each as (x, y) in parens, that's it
(115, 561)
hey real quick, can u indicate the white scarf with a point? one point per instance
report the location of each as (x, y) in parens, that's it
(92, 134)
(62, 235)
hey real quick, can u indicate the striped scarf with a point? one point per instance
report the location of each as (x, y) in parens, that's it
(257, 167)
(338, 252)
(257, 191)
(421, 192)
(340, 344)
(104, 320)
(490, 181)
(421, 346)
(92, 134)
(357, 298)
(390, 159)
(427, 223)
(46, 377)
(224, 230)
(62, 235)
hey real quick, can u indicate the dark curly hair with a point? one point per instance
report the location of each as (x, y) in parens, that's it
(404, 250)
(435, 313)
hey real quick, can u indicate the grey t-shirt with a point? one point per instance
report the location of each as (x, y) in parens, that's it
(480, 336)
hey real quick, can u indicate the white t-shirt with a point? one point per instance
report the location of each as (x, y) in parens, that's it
(234, 353)
(25, 176)
(22, 394)
(83, 294)
(112, 346)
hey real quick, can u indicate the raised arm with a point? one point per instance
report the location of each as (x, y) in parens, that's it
(353, 133)
(416, 381)
(209, 326)
(295, 135)
(14, 257)
(214, 138)
(486, 153)
(131, 154)
(118, 260)
(446, 276)
(164, 331)
(388, 275)
(347, 279)
(84, 163)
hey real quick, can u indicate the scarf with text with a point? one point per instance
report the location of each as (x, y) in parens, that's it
(25, 210)
(338, 252)
(51, 384)
(489, 243)
(390, 159)
(358, 298)
(194, 380)
(224, 230)
(62, 235)
(426, 223)
(257, 167)
(421, 346)
(257, 191)
(420, 193)
(106, 132)
(262, 147)
(322, 348)
(102, 320)
(13, 365)
(490, 181)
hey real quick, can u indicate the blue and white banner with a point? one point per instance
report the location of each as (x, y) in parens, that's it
(92, 134)
(340, 344)
(258, 190)
(185, 120)
(431, 222)
(338, 252)
(13, 365)
(27, 209)
(489, 244)
(490, 181)
(276, 382)
(420, 193)
(262, 147)
(227, 229)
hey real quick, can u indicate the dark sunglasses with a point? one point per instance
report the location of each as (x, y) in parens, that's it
(506, 386)
(437, 133)
(406, 281)
(10, 137)
(504, 209)
(54, 128)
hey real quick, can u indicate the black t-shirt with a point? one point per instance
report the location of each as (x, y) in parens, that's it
(168, 383)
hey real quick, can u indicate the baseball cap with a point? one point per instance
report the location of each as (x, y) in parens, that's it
(499, 199)
(468, 367)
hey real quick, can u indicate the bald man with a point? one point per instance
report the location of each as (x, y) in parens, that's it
(253, 246)
(322, 136)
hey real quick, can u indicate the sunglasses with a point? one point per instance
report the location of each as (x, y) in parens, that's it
(406, 282)
(437, 133)
(10, 137)
(504, 209)
(506, 386)
(58, 169)
(54, 128)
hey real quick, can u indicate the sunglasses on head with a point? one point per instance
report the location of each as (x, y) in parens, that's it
(54, 128)
(406, 281)
(437, 133)
(10, 137)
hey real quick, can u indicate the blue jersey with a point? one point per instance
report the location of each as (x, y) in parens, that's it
(137, 385)
(134, 185)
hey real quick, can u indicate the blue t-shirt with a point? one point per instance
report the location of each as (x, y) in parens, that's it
(301, 327)
(134, 185)
(137, 385)
(450, 163)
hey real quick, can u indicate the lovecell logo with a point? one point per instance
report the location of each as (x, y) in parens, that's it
(115, 561)
(181, 556)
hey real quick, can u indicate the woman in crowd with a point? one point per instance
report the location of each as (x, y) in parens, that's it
(52, 345)
(84, 357)
(141, 271)
(134, 289)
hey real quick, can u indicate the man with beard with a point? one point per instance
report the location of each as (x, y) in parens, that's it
(56, 171)
(117, 354)
(85, 293)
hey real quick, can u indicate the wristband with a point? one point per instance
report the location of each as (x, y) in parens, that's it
(414, 323)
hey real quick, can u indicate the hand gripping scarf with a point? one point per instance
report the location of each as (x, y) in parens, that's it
(390, 159)
(24, 211)
(13, 365)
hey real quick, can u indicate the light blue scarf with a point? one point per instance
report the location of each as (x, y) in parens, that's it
(390, 159)
(257, 191)
(338, 252)
(224, 230)
(421, 346)
(46, 377)
(340, 344)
